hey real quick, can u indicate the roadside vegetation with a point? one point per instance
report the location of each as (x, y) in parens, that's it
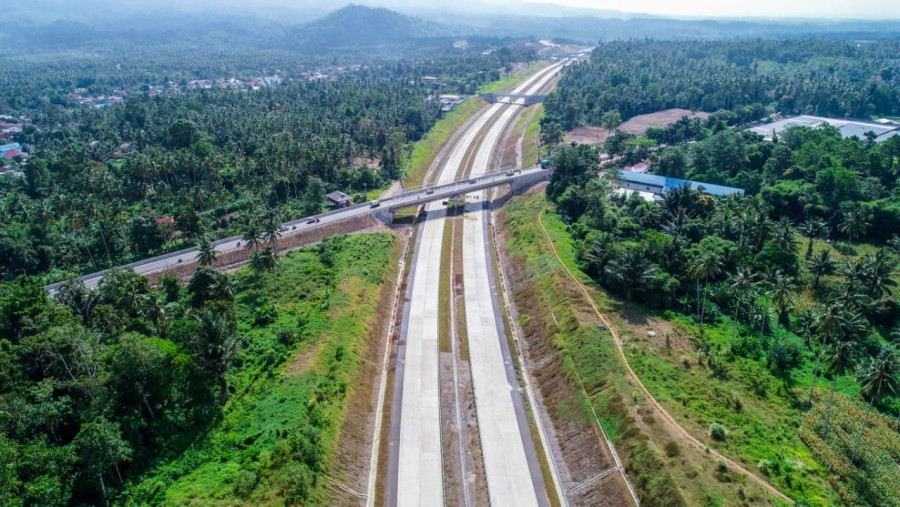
(230, 389)
(664, 468)
(747, 304)
(438, 136)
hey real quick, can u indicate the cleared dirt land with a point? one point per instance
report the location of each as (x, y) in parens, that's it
(637, 125)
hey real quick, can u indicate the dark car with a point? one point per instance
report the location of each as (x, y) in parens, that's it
(473, 181)
(312, 221)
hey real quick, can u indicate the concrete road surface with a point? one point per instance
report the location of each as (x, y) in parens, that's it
(510, 461)
(415, 467)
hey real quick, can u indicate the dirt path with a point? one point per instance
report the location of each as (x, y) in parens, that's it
(666, 416)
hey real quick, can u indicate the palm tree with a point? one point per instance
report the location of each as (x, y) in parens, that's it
(206, 253)
(821, 265)
(877, 273)
(706, 266)
(217, 344)
(272, 229)
(632, 270)
(765, 284)
(741, 283)
(154, 309)
(853, 223)
(785, 235)
(783, 292)
(760, 228)
(839, 359)
(265, 261)
(828, 327)
(252, 235)
(812, 228)
(878, 378)
(225, 288)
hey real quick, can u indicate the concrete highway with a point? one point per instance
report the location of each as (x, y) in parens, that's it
(510, 461)
(415, 465)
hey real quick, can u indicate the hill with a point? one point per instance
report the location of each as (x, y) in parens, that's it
(357, 26)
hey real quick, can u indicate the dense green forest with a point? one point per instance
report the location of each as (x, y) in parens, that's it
(752, 79)
(100, 178)
(112, 393)
(798, 277)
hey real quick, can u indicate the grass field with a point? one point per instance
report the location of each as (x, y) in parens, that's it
(277, 439)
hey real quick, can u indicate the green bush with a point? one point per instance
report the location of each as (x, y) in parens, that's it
(264, 314)
(672, 449)
(717, 432)
(244, 483)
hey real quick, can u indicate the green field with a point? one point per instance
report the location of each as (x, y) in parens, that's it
(278, 437)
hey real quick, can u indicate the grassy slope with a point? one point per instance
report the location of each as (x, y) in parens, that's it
(765, 425)
(530, 154)
(587, 353)
(278, 434)
(763, 411)
(510, 81)
(429, 147)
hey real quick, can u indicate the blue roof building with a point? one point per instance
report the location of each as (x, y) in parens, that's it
(661, 184)
(10, 147)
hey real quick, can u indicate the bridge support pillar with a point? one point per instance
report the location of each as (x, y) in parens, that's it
(519, 185)
(384, 216)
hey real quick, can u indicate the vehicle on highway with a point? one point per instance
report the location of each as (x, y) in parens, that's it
(473, 181)
(284, 228)
(429, 191)
(312, 221)
(510, 173)
(546, 163)
(376, 203)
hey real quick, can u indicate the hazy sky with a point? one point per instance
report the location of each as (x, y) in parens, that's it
(847, 9)
(836, 9)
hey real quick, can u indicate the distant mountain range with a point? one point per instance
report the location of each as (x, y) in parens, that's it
(357, 28)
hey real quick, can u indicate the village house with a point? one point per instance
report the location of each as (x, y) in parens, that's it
(641, 167)
(338, 199)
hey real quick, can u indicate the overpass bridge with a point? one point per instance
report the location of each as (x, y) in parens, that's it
(516, 99)
(518, 180)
